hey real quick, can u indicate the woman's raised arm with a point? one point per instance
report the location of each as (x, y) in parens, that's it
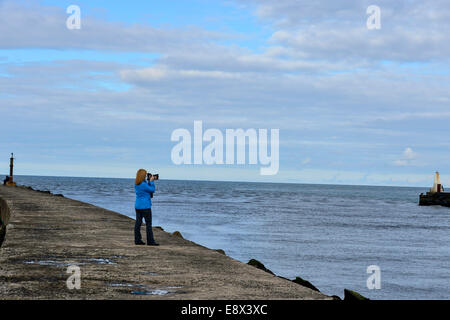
(150, 187)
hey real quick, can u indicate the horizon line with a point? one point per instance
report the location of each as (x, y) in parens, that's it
(236, 181)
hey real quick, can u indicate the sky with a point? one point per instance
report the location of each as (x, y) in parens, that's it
(353, 105)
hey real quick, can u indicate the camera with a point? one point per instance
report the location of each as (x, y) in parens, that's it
(155, 176)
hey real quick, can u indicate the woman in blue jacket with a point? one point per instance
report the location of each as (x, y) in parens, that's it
(143, 206)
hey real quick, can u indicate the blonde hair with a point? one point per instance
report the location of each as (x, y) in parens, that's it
(140, 176)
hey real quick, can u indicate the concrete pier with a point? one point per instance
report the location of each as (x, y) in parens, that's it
(45, 234)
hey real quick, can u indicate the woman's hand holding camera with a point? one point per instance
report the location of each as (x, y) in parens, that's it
(152, 177)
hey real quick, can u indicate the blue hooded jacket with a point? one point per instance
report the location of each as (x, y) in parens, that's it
(143, 190)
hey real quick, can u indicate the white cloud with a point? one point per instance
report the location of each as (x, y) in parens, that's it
(32, 25)
(409, 154)
(163, 73)
(407, 159)
(336, 30)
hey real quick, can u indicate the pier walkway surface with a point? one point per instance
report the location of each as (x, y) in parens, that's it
(45, 234)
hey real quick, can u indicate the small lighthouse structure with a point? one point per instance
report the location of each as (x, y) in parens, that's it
(437, 186)
(11, 167)
(9, 181)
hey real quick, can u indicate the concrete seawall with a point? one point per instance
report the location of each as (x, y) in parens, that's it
(4, 219)
(45, 234)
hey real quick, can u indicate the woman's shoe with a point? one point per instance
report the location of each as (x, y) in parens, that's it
(153, 244)
(139, 243)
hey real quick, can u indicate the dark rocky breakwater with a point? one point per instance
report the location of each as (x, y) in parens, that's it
(349, 295)
(435, 199)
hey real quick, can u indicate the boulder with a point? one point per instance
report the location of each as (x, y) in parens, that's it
(350, 295)
(177, 234)
(305, 283)
(221, 251)
(255, 263)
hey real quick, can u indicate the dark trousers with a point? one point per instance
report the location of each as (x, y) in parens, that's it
(147, 215)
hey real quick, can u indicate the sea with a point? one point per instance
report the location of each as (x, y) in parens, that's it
(372, 239)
